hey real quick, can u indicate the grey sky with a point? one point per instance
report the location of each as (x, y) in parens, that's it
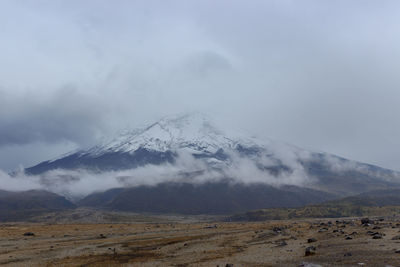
(318, 74)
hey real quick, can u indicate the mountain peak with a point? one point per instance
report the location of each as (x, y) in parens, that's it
(192, 130)
(189, 147)
(189, 125)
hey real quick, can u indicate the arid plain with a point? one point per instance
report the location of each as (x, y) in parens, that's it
(186, 241)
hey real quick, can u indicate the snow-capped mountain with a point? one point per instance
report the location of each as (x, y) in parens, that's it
(163, 141)
(194, 132)
(190, 149)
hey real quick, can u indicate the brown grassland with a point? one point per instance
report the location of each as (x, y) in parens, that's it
(339, 242)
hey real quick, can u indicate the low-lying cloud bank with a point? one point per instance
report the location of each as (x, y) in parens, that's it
(81, 182)
(286, 166)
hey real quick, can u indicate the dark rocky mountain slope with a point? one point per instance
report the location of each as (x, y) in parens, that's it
(199, 158)
(206, 198)
(16, 206)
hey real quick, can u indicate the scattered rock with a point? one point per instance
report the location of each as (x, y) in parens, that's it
(397, 251)
(229, 265)
(377, 236)
(307, 264)
(366, 221)
(310, 251)
(311, 240)
(102, 236)
(397, 237)
(348, 254)
(348, 238)
(29, 234)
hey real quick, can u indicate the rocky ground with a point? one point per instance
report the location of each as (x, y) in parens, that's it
(313, 242)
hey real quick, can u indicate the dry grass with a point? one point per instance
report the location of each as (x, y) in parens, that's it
(273, 243)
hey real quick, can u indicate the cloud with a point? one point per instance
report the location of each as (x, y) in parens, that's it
(78, 183)
(340, 165)
(18, 183)
(65, 115)
(205, 63)
(319, 74)
(278, 165)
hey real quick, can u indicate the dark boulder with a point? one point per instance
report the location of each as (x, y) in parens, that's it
(365, 221)
(310, 251)
(29, 234)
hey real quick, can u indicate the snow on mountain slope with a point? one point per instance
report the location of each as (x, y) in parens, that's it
(190, 148)
(194, 132)
(185, 164)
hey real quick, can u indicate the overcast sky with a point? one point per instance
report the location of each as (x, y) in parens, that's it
(322, 75)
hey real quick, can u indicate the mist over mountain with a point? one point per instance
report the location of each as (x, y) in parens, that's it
(201, 132)
(150, 168)
(319, 75)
